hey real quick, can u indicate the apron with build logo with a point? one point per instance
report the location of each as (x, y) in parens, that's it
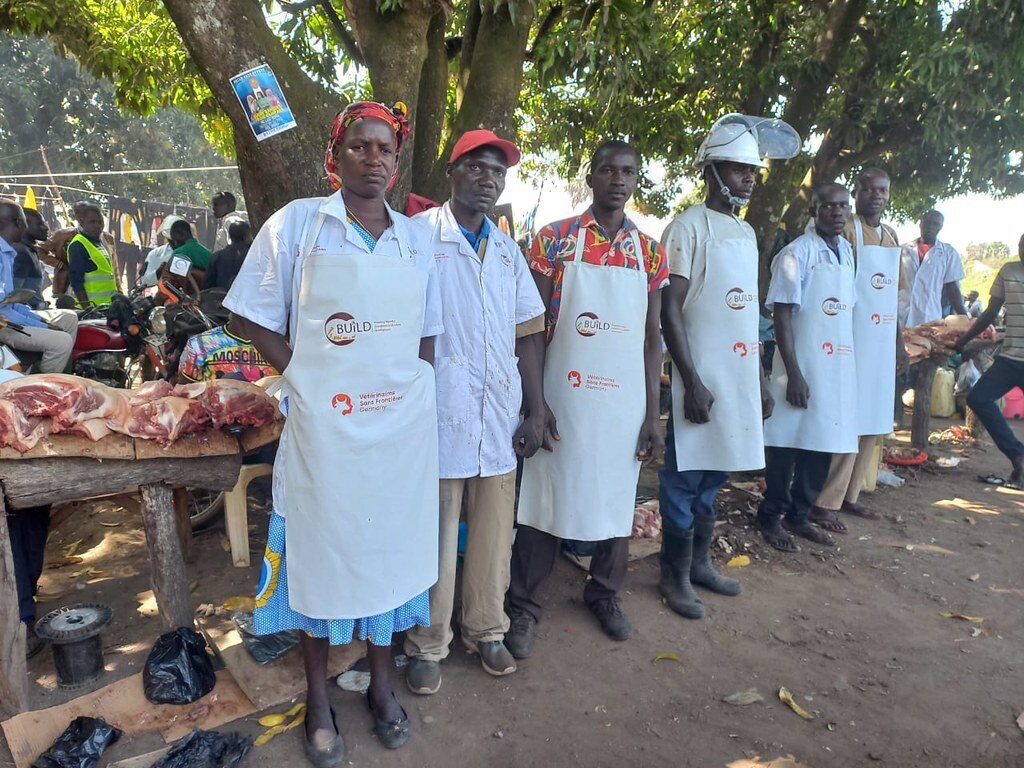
(361, 493)
(595, 384)
(874, 334)
(721, 323)
(823, 342)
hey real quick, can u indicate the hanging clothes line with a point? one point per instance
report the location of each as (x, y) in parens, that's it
(120, 173)
(95, 192)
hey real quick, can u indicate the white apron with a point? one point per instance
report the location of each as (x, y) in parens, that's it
(595, 384)
(823, 338)
(874, 333)
(361, 472)
(721, 322)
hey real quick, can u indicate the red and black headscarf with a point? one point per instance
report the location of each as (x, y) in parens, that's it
(397, 117)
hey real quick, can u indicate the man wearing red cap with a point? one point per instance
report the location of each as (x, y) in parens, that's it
(493, 314)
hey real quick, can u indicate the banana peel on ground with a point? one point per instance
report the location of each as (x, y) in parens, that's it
(787, 698)
(279, 723)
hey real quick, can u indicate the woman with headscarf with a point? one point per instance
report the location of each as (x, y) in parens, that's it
(340, 294)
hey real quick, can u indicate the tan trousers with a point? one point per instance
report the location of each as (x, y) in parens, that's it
(490, 515)
(846, 475)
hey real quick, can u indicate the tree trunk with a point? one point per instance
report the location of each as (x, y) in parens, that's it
(809, 89)
(433, 96)
(226, 37)
(395, 46)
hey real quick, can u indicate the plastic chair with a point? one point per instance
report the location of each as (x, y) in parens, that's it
(236, 511)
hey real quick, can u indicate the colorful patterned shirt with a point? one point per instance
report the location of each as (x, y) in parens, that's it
(556, 243)
(219, 354)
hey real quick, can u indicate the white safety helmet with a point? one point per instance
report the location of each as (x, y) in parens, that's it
(749, 140)
(733, 143)
(169, 221)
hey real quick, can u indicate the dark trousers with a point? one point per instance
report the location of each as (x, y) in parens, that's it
(794, 478)
(28, 529)
(1004, 375)
(688, 494)
(533, 557)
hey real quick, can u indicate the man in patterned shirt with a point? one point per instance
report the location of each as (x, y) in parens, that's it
(220, 353)
(602, 381)
(1007, 371)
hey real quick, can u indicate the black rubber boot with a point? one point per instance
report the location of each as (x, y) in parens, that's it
(676, 555)
(702, 572)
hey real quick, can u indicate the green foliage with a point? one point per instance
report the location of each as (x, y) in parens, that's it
(47, 99)
(981, 264)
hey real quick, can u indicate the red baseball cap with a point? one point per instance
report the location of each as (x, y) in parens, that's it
(471, 140)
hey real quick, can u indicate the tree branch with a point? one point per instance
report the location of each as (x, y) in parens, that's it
(345, 37)
(548, 23)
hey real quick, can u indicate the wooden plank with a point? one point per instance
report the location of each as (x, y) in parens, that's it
(921, 421)
(13, 672)
(140, 761)
(277, 682)
(167, 564)
(182, 518)
(215, 443)
(257, 437)
(124, 704)
(35, 482)
(63, 445)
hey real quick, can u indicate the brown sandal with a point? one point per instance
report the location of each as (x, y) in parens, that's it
(827, 519)
(859, 510)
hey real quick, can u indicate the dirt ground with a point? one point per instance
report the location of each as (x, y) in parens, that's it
(856, 634)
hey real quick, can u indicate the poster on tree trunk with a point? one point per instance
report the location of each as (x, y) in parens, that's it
(263, 102)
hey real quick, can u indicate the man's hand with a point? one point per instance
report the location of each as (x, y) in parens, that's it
(697, 402)
(767, 402)
(529, 437)
(651, 443)
(550, 431)
(797, 393)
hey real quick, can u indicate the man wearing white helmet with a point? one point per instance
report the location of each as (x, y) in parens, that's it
(160, 255)
(710, 322)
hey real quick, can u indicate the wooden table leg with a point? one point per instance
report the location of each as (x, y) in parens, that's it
(167, 563)
(13, 669)
(182, 512)
(921, 423)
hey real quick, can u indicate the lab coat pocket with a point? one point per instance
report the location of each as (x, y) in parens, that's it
(453, 394)
(513, 392)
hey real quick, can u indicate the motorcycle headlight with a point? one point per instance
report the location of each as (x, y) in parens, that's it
(157, 321)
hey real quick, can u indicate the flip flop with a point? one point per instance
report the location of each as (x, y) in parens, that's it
(992, 479)
(811, 532)
(1013, 486)
(827, 519)
(859, 510)
(779, 539)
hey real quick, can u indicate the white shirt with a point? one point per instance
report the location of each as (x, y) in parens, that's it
(479, 391)
(921, 301)
(687, 237)
(221, 239)
(155, 259)
(267, 286)
(266, 290)
(792, 267)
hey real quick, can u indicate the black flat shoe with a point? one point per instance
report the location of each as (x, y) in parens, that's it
(330, 756)
(392, 733)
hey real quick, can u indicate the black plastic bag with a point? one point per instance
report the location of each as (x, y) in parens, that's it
(81, 744)
(178, 670)
(206, 749)
(263, 648)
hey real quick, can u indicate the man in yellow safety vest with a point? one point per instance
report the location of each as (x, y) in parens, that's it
(89, 264)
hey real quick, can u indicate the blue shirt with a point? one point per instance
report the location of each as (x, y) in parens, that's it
(474, 239)
(16, 313)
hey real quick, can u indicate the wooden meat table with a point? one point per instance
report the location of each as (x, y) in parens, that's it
(63, 468)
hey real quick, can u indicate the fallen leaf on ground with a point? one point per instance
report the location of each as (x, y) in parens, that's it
(225, 543)
(270, 733)
(268, 721)
(962, 617)
(739, 561)
(742, 698)
(60, 562)
(974, 577)
(787, 698)
(239, 604)
(71, 548)
(667, 657)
